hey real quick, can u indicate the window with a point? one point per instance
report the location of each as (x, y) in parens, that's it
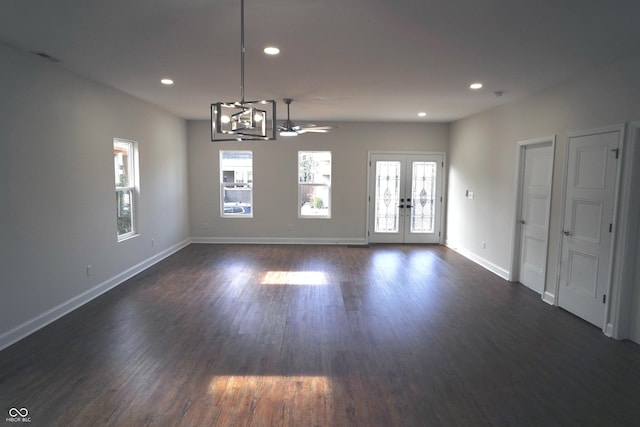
(236, 184)
(125, 165)
(314, 184)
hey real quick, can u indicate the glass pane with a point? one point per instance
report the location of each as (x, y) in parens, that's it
(237, 199)
(122, 162)
(124, 202)
(314, 200)
(314, 167)
(423, 193)
(236, 178)
(236, 166)
(387, 197)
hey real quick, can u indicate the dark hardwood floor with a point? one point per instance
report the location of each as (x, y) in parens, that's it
(239, 335)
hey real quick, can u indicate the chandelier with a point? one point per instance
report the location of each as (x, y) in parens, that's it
(243, 120)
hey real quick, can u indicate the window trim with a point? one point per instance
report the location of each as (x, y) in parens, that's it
(325, 185)
(223, 184)
(133, 187)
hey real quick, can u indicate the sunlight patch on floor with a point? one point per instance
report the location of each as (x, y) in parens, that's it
(270, 400)
(304, 278)
(233, 384)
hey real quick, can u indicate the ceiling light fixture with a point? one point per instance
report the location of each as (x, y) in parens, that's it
(422, 114)
(167, 82)
(475, 86)
(243, 120)
(271, 50)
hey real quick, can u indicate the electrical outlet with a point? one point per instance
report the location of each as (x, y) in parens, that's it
(153, 242)
(89, 270)
(205, 225)
(484, 245)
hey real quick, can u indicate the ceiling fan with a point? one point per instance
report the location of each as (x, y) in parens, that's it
(289, 128)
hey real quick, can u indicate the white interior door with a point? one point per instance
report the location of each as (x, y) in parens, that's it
(405, 202)
(537, 173)
(588, 221)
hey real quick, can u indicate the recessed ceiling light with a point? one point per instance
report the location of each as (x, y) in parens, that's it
(475, 86)
(271, 50)
(166, 82)
(422, 114)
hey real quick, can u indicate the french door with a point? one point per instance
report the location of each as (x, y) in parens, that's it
(405, 200)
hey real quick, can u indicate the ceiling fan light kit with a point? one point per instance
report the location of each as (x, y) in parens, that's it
(243, 120)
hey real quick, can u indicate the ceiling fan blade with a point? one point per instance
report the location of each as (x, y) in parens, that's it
(313, 130)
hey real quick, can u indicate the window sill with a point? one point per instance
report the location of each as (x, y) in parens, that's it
(124, 239)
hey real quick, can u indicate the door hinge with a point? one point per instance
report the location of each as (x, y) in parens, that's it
(617, 151)
(440, 199)
(604, 299)
(439, 233)
(610, 228)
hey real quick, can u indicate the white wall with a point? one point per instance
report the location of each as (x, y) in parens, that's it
(57, 189)
(483, 156)
(275, 181)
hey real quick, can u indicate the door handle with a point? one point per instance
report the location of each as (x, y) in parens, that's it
(521, 221)
(401, 206)
(566, 232)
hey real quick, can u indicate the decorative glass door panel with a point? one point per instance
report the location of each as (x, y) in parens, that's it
(406, 196)
(387, 199)
(423, 193)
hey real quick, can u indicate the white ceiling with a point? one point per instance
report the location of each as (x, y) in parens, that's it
(371, 60)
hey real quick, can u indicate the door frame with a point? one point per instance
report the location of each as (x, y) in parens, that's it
(626, 274)
(443, 204)
(514, 275)
(616, 229)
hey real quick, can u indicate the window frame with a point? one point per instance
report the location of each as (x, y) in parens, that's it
(245, 182)
(132, 186)
(326, 185)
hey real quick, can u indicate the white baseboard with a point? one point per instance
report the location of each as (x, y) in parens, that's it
(549, 298)
(27, 328)
(280, 240)
(608, 330)
(495, 269)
